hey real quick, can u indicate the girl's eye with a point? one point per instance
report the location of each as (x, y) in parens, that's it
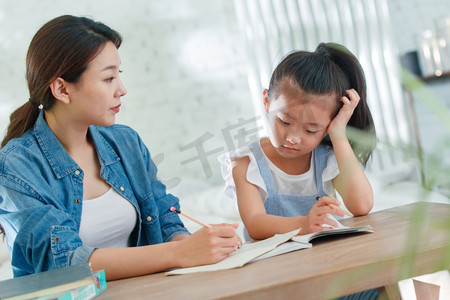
(283, 122)
(311, 131)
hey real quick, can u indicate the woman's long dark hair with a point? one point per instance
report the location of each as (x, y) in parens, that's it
(330, 69)
(62, 48)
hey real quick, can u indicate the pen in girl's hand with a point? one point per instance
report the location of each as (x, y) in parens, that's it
(189, 217)
(338, 208)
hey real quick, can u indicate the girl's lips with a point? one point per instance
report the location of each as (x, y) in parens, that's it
(290, 149)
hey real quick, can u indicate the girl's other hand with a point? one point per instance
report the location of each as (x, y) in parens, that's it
(337, 126)
(319, 215)
(208, 245)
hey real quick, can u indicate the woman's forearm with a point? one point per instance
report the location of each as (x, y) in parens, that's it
(134, 261)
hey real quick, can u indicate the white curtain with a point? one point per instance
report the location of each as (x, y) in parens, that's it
(273, 28)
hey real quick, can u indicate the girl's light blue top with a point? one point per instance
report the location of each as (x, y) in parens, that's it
(41, 192)
(288, 205)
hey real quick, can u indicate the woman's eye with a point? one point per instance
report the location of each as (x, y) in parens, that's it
(283, 122)
(110, 79)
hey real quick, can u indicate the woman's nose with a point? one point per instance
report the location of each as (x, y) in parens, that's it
(121, 91)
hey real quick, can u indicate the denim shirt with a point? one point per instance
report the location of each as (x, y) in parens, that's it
(41, 192)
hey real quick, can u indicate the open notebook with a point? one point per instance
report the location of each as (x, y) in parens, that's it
(276, 245)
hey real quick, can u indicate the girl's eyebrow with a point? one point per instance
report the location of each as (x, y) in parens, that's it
(318, 125)
(287, 114)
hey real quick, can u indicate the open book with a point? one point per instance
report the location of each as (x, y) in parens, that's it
(303, 241)
(340, 229)
(276, 245)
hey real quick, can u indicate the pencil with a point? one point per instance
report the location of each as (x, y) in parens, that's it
(338, 208)
(190, 217)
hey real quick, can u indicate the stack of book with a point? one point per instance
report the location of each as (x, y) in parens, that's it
(74, 282)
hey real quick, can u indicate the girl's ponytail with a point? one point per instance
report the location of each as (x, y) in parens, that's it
(362, 134)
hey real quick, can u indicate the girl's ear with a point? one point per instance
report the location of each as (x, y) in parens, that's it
(266, 100)
(59, 90)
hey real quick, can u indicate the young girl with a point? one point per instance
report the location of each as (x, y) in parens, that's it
(75, 187)
(288, 180)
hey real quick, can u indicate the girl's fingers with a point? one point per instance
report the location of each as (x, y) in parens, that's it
(328, 222)
(329, 205)
(325, 201)
(353, 98)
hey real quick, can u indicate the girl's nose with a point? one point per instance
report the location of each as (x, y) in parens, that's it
(293, 139)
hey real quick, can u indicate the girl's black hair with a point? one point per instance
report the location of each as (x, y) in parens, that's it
(331, 69)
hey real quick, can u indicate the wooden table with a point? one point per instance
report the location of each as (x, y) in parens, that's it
(398, 249)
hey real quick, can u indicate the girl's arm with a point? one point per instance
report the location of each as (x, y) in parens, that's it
(206, 246)
(351, 183)
(261, 225)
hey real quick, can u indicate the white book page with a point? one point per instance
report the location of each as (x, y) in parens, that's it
(339, 229)
(283, 248)
(240, 257)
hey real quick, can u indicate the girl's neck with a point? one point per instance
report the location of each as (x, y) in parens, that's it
(292, 166)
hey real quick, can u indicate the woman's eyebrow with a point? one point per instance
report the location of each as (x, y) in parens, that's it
(110, 67)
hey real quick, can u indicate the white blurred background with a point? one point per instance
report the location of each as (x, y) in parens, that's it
(186, 68)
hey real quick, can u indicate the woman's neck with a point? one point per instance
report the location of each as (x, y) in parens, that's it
(73, 137)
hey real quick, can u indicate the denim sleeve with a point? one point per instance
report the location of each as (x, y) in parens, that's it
(40, 237)
(170, 222)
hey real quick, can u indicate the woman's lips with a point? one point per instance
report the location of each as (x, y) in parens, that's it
(117, 108)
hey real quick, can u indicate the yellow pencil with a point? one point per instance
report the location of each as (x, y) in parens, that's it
(189, 217)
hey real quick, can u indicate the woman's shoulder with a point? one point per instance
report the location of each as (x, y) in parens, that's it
(17, 148)
(115, 128)
(117, 133)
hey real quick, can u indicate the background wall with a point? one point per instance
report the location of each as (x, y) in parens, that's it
(184, 67)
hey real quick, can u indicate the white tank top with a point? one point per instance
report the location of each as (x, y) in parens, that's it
(107, 221)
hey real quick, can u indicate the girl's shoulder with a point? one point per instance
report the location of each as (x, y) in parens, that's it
(247, 161)
(229, 160)
(230, 156)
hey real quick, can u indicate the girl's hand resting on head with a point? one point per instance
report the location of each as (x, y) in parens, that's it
(319, 215)
(337, 126)
(209, 245)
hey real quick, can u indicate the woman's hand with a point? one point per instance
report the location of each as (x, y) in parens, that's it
(208, 245)
(319, 215)
(336, 129)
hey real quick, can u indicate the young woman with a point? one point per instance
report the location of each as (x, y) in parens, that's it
(75, 187)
